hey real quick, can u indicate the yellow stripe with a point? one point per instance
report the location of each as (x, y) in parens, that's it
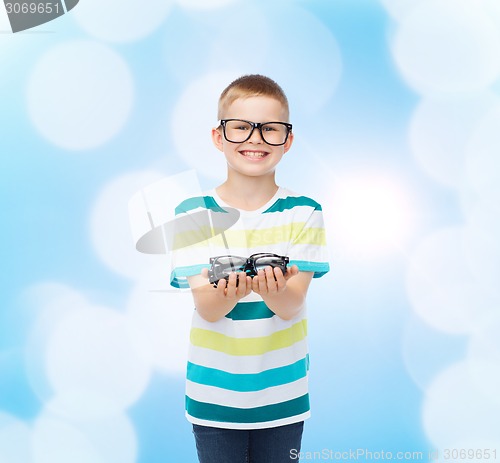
(249, 346)
(293, 233)
(312, 236)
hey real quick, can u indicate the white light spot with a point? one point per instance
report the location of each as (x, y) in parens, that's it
(110, 440)
(311, 52)
(441, 286)
(56, 441)
(448, 46)
(4, 19)
(398, 9)
(165, 317)
(455, 410)
(482, 247)
(121, 20)
(371, 214)
(426, 351)
(483, 357)
(204, 4)
(194, 116)
(483, 159)
(110, 226)
(45, 303)
(15, 440)
(93, 353)
(80, 94)
(440, 130)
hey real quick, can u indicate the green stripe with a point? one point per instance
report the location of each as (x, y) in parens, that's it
(178, 276)
(249, 346)
(247, 382)
(206, 202)
(220, 413)
(290, 202)
(250, 311)
(319, 268)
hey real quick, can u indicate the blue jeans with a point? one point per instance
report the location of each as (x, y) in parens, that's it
(270, 445)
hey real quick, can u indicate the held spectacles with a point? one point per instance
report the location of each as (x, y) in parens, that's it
(239, 131)
(223, 266)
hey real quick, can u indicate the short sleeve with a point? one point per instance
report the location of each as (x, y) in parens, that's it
(190, 240)
(197, 234)
(308, 249)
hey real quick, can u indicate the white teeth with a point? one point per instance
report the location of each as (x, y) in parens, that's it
(253, 154)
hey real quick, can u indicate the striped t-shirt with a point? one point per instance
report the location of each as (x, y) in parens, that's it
(249, 369)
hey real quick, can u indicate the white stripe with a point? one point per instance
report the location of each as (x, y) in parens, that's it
(249, 364)
(246, 328)
(225, 397)
(261, 425)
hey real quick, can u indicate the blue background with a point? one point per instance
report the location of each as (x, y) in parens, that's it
(404, 355)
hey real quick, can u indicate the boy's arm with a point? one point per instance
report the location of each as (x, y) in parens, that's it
(214, 303)
(283, 294)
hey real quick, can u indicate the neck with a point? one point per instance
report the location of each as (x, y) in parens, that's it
(247, 193)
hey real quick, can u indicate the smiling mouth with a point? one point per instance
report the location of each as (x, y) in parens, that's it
(254, 154)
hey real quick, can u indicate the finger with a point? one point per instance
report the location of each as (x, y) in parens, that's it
(231, 286)
(272, 287)
(280, 278)
(221, 286)
(204, 272)
(242, 284)
(261, 281)
(291, 272)
(249, 285)
(255, 284)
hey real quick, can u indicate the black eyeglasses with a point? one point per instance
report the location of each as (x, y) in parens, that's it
(223, 266)
(239, 131)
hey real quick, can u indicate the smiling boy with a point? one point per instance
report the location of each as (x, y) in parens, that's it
(246, 390)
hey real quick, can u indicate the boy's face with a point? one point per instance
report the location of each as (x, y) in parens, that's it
(253, 157)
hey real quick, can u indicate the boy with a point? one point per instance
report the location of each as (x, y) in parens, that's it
(246, 389)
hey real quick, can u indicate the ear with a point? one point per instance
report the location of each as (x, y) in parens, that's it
(217, 138)
(288, 143)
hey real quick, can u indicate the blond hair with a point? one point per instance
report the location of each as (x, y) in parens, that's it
(248, 86)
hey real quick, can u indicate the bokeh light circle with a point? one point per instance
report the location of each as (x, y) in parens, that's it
(194, 116)
(440, 131)
(482, 247)
(94, 352)
(204, 4)
(372, 213)
(110, 224)
(426, 351)
(80, 94)
(398, 9)
(305, 58)
(483, 356)
(121, 20)
(448, 46)
(45, 303)
(109, 440)
(442, 288)
(483, 160)
(455, 410)
(15, 440)
(164, 315)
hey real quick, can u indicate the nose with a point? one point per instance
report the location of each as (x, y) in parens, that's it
(255, 136)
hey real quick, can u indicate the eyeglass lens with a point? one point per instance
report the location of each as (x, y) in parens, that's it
(262, 262)
(273, 133)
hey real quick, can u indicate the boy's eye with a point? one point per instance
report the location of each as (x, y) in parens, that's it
(269, 128)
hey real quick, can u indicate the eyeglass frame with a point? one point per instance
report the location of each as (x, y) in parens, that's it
(256, 125)
(248, 267)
